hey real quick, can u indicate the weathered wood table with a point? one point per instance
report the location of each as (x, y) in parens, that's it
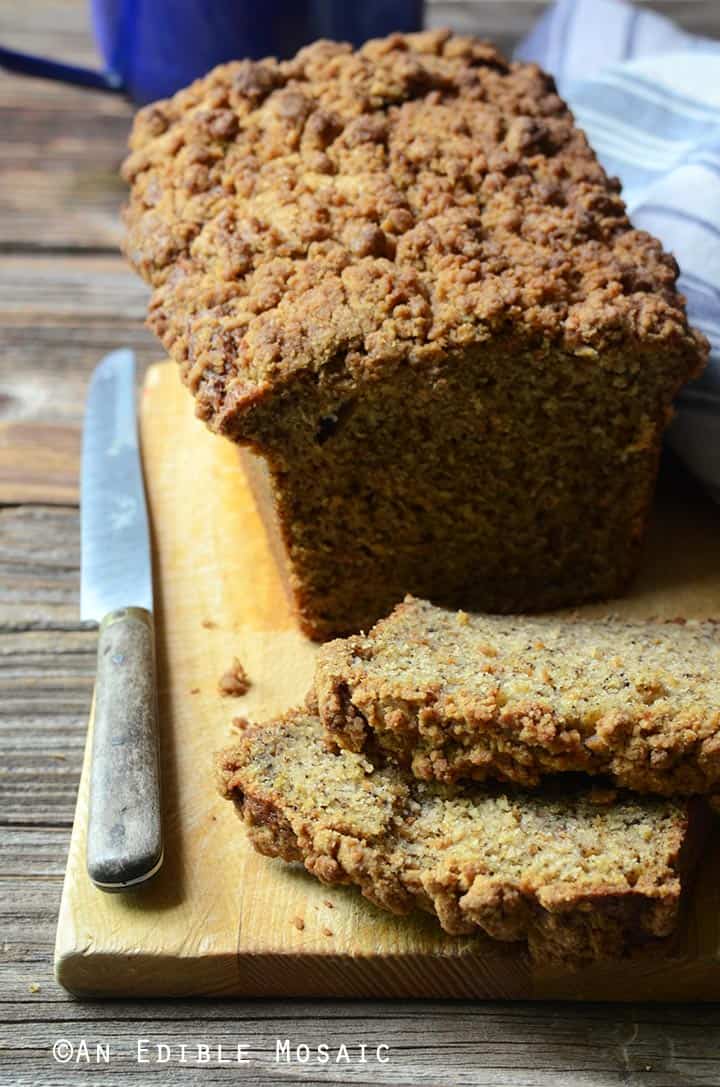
(66, 297)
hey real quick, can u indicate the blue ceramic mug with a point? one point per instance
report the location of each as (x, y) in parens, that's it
(151, 48)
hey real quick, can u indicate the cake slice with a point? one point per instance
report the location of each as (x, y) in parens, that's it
(577, 879)
(452, 695)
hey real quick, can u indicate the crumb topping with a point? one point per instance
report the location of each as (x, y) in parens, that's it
(383, 205)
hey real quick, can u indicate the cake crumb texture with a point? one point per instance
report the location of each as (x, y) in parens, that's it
(453, 695)
(577, 880)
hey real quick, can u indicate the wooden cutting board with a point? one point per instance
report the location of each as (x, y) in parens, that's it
(220, 920)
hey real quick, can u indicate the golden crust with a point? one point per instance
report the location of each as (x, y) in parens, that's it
(413, 198)
(453, 695)
(576, 877)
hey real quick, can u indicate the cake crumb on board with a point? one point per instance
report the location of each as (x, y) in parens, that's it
(235, 682)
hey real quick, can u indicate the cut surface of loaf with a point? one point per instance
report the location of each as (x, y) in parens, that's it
(454, 695)
(401, 275)
(578, 880)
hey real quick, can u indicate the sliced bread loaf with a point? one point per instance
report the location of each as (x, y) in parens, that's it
(453, 695)
(577, 878)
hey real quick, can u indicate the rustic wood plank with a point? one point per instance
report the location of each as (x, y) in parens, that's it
(38, 463)
(42, 727)
(71, 288)
(60, 158)
(33, 852)
(45, 364)
(47, 664)
(39, 569)
(53, 28)
(482, 1046)
(57, 318)
(61, 145)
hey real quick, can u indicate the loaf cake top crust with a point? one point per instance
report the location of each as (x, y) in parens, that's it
(515, 697)
(576, 876)
(396, 203)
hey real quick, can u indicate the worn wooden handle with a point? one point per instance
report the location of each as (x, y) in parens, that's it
(124, 845)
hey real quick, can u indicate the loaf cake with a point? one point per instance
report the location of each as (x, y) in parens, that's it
(578, 878)
(452, 695)
(401, 277)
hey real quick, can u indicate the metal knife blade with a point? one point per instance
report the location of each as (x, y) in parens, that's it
(124, 843)
(116, 564)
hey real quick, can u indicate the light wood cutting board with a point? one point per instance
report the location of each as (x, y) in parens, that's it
(220, 920)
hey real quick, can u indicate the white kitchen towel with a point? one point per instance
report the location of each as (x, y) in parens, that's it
(648, 96)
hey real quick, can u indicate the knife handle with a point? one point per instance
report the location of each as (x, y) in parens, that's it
(124, 844)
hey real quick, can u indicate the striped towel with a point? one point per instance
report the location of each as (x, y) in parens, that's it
(648, 96)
